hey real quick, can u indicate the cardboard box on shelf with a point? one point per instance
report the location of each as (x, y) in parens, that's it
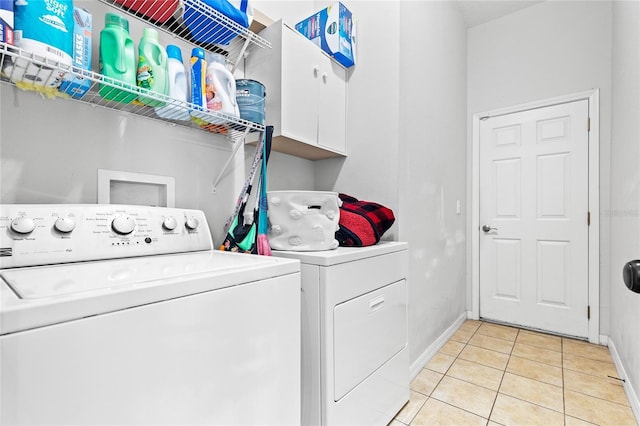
(71, 84)
(334, 31)
(6, 21)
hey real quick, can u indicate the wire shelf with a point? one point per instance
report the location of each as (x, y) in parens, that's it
(32, 72)
(207, 28)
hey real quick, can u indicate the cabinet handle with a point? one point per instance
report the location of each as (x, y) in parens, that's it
(324, 77)
(316, 70)
(376, 303)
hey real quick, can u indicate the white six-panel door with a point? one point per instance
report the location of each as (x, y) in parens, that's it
(533, 207)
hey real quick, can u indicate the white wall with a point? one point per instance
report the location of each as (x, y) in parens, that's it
(51, 151)
(432, 166)
(625, 186)
(551, 49)
(370, 171)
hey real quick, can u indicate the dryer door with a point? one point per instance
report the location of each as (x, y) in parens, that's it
(368, 331)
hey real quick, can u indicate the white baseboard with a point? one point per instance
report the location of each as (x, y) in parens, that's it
(604, 340)
(430, 352)
(628, 387)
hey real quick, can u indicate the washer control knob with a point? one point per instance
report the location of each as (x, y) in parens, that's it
(22, 225)
(170, 223)
(123, 225)
(64, 224)
(191, 223)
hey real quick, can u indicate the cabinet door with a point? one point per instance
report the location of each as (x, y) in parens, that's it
(300, 74)
(332, 106)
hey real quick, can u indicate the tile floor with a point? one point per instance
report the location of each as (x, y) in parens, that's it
(489, 374)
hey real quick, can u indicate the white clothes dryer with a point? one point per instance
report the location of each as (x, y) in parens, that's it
(355, 357)
(125, 315)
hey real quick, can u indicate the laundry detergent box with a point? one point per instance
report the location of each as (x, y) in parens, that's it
(6, 21)
(82, 29)
(333, 30)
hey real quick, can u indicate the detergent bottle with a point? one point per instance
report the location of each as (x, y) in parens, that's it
(177, 87)
(152, 68)
(117, 59)
(220, 87)
(198, 75)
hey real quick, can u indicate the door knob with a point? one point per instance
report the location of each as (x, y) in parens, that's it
(487, 228)
(631, 275)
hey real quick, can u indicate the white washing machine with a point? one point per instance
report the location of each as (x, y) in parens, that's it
(355, 359)
(124, 315)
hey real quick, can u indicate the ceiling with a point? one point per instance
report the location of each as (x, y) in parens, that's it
(476, 12)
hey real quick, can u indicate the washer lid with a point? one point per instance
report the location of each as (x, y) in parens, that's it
(56, 280)
(38, 296)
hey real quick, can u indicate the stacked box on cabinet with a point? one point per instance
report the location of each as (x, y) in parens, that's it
(333, 30)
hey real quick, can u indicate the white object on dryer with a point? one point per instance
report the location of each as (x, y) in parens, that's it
(355, 358)
(303, 220)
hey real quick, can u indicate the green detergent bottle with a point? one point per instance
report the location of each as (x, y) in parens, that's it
(117, 60)
(152, 68)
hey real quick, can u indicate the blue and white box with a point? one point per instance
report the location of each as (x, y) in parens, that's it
(82, 28)
(6, 21)
(334, 31)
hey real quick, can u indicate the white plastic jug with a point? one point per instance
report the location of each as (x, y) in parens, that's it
(178, 87)
(220, 87)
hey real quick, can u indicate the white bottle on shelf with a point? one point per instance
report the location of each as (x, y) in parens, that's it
(178, 87)
(220, 87)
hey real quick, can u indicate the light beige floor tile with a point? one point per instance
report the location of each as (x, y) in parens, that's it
(440, 362)
(544, 356)
(426, 381)
(467, 396)
(586, 350)
(589, 366)
(462, 336)
(493, 424)
(597, 410)
(594, 386)
(452, 348)
(540, 340)
(485, 357)
(477, 374)
(492, 343)
(535, 370)
(512, 411)
(498, 331)
(572, 421)
(533, 391)
(411, 408)
(470, 325)
(438, 413)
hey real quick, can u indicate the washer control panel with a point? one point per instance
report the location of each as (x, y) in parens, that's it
(39, 234)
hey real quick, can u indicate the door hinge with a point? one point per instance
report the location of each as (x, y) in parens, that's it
(588, 312)
(588, 124)
(588, 218)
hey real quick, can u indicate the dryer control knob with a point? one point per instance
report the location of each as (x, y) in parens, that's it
(191, 223)
(22, 225)
(169, 223)
(123, 225)
(64, 224)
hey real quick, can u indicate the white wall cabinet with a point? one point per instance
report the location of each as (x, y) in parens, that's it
(306, 94)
